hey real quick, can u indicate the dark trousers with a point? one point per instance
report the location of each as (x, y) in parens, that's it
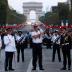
(56, 47)
(8, 60)
(20, 48)
(49, 44)
(66, 56)
(37, 55)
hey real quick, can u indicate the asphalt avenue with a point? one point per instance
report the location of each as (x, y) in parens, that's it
(26, 66)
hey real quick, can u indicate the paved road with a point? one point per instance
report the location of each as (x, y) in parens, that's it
(26, 66)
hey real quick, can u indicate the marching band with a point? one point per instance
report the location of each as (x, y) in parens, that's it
(58, 41)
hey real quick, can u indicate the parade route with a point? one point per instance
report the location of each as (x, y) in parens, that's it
(48, 65)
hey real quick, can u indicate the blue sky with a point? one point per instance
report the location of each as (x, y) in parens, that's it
(17, 4)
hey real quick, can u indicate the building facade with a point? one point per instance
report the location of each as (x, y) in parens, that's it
(70, 4)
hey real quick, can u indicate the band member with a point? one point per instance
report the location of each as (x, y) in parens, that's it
(10, 49)
(28, 40)
(19, 45)
(47, 39)
(37, 47)
(70, 34)
(65, 43)
(2, 37)
(56, 46)
(0, 45)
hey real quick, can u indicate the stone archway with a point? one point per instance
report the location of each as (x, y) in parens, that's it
(36, 6)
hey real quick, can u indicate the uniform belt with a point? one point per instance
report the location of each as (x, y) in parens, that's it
(37, 43)
(65, 44)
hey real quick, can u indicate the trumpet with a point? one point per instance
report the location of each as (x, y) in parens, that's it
(38, 35)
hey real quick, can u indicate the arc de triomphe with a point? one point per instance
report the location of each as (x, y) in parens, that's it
(36, 6)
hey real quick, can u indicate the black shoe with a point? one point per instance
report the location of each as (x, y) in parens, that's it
(53, 61)
(41, 68)
(22, 60)
(69, 68)
(6, 69)
(34, 68)
(18, 61)
(63, 68)
(12, 69)
(59, 60)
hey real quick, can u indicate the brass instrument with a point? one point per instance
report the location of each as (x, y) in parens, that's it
(66, 38)
(36, 36)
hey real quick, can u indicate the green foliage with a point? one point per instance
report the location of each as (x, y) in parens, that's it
(3, 11)
(50, 18)
(9, 16)
(54, 18)
(42, 19)
(70, 17)
(63, 10)
(15, 18)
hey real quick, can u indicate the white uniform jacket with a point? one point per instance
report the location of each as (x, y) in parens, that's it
(37, 40)
(9, 42)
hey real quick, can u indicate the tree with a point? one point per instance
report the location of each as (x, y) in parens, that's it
(63, 11)
(70, 17)
(42, 19)
(9, 16)
(15, 18)
(3, 11)
(50, 18)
